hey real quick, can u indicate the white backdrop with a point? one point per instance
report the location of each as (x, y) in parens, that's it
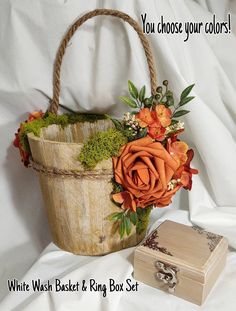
(103, 55)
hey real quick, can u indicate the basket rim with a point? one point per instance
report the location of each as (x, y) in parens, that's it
(39, 138)
(34, 137)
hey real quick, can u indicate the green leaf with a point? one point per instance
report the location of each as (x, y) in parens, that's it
(174, 122)
(185, 100)
(186, 91)
(169, 99)
(169, 93)
(115, 216)
(151, 98)
(148, 102)
(169, 102)
(180, 113)
(133, 90)
(143, 219)
(118, 124)
(127, 225)
(128, 101)
(142, 133)
(142, 94)
(134, 218)
(122, 228)
(46, 114)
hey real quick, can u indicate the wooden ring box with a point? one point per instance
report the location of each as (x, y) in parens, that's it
(185, 261)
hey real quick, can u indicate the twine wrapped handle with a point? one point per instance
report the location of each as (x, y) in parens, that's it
(62, 48)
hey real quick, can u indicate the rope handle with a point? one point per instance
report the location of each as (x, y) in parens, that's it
(54, 104)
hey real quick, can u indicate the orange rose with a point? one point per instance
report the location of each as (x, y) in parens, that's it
(144, 169)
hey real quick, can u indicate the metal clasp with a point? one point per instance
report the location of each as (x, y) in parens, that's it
(167, 274)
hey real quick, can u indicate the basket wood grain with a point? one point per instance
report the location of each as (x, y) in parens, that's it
(77, 207)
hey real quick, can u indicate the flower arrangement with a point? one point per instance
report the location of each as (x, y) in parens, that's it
(150, 162)
(155, 163)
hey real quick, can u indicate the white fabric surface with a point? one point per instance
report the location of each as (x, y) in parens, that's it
(54, 263)
(103, 55)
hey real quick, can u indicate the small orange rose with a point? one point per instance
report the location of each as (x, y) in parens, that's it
(144, 169)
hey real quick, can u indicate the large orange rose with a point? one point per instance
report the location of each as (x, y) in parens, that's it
(144, 169)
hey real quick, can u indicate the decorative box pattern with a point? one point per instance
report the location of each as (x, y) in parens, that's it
(185, 261)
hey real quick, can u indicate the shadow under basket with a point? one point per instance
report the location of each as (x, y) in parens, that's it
(77, 205)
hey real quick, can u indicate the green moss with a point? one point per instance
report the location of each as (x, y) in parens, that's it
(101, 146)
(50, 118)
(143, 219)
(73, 118)
(65, 119)
(30, 127)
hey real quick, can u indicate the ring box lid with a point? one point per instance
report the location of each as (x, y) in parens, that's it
(193, 250)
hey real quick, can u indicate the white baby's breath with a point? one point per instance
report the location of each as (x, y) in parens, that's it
(174, 127)
(172, 184)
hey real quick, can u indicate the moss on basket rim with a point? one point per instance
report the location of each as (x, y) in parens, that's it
(49, 118)
(101, 146)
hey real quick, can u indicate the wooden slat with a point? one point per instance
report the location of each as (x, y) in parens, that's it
(77, 208)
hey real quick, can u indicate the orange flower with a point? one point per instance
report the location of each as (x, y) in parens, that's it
(185, 172)
(35, 115)
(157, 131)
(24, 154)
(145, 117)
(144, 169)
(178, 150)
(163, 115)
(155, 121)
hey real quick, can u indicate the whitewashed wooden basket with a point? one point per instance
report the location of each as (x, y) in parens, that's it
(78, 201)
